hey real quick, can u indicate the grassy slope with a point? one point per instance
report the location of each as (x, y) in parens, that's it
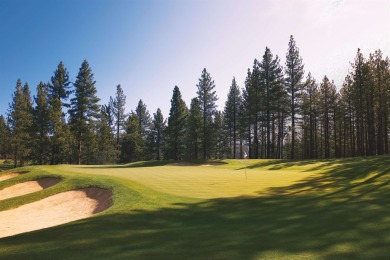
(308, 209)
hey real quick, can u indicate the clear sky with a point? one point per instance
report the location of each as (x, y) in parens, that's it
(149, 46)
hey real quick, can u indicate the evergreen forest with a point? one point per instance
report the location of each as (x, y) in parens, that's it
(279, 112)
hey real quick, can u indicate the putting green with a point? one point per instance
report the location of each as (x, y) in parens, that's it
(201, 181)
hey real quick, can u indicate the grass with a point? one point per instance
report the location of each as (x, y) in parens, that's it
(6, 165)
(244, 209)
(205, 182)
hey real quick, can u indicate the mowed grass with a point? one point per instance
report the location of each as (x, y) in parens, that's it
(202, 181)
(244, 209)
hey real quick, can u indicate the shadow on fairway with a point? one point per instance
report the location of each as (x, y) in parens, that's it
(373, 162)
(160, 163)
(351, 220)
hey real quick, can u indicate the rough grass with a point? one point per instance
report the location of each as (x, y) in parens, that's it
(279, 209)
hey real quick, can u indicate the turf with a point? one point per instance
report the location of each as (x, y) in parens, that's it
(5, 165)
(244, 209)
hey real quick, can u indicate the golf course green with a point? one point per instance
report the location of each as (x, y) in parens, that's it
(229, 209)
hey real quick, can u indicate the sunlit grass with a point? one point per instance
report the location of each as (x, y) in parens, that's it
(244, 209)
(200, 181)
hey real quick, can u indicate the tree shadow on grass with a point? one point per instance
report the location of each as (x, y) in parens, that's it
(342, 175)
(161, 163)
(352, 220)
(319, 164)
(131, 165)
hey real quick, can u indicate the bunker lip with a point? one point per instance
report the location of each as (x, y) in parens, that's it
(11, 175)
(28, 187)
(55, 210)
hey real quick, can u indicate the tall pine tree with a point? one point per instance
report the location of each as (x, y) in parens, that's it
(84, 107)
(207, 98)
(107, 152)
(194, 130)
(133, 144)
(5, 135)
(143, 118)
(176, 129)
(231, 117)
(271, 78)
(118, 113)
(41, 125)
(59, 91)
(20, 120)
(156, 135)
(294, 74)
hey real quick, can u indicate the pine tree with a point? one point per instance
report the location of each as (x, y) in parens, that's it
(118, 113)
(231, 116)
(370, 99)
(271, 77)
(20, 120)
(156, 137)
(207, 98)
(246, 112)
(194, 130)
(5, 135)
(358, 77)
(60, 85)
(256, 99)
(132, 147)
(310, 111)
(107, 110)
(143, 118)
(41, 125)
(107, 152)
(242, 128)
(328, 99)
(381, 77)
(294, 74)
(176, 129)
(59, 91)
(219, 142)
(84, 108)
(347, 98)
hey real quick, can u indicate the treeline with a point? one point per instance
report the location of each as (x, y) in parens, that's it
(278, 113)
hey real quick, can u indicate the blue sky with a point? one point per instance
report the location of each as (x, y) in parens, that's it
(150, 46)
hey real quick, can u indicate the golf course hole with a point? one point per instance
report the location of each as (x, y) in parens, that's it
(54, 210)
(27, 187)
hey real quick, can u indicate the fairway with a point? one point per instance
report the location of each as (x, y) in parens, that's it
(201, 181)
(241, 209)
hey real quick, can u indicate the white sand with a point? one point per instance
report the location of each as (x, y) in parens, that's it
(8, 176)
(55, 210)
(27, 187)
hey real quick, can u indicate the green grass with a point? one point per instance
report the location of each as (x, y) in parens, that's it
(6, 165)
(244, 209)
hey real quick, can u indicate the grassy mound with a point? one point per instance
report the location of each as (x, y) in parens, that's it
(244, 209)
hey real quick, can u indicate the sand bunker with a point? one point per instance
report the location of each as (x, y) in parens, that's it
(8, 176)
(55, 210)
(195, 164)
(27, 187)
